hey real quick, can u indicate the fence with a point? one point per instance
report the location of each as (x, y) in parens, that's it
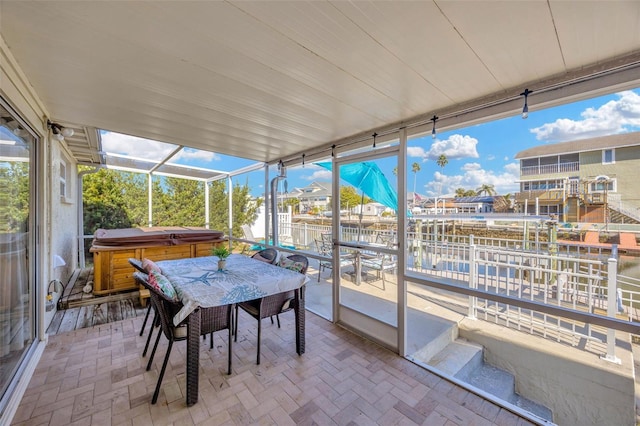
(576, 277)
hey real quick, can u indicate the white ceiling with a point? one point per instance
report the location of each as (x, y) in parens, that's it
(265, 80)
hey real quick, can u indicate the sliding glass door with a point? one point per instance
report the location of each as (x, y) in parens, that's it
(17, 298)
(366, 243)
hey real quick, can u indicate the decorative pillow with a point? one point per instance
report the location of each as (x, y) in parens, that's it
(164, 284)
(290, 264)
(153, 282)
(150, 266)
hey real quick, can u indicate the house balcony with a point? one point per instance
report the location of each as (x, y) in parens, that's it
(548, 169)
(553, 195)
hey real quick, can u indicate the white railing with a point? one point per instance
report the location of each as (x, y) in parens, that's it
(574, 277)
(550, 168)
(580, 282)
(630, 211)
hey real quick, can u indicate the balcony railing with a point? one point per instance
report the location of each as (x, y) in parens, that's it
(550, 169)
(575, 278)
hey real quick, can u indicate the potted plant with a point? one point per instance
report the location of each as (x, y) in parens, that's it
(222, 253)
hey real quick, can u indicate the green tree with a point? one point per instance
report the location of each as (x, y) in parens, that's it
(114, 199)
(461, 192)
(349, 198)
(244, 207)
(415, 168)
(14, 197)
(486, 189)
(104, 203)
(183, 203)
(294, 203)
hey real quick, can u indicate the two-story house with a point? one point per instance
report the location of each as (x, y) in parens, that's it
(588, 180)
(316, 194)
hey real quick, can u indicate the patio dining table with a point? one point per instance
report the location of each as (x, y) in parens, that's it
(199, 284)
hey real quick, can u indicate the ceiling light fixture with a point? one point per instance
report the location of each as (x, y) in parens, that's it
(59, 131)
(525, 108)
(374, 139)
(433, 130)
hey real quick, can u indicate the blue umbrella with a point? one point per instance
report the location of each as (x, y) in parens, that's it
(369, 179)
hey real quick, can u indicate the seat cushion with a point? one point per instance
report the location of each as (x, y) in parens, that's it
(290, 264)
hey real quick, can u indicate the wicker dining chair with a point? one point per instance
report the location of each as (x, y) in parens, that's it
(267, 255)
(212, 319)
(137, 264)
(271, 305)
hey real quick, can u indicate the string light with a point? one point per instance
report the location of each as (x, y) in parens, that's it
(303, 161)
(525, 108)
(433, 130)
(374, 139)
(333, 150)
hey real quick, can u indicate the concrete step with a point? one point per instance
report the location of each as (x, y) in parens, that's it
(459, 358)
(464, 360)
(533, 407)
(428, 341)
(494, 381)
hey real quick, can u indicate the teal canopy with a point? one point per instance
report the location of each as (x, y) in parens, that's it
(368, 178)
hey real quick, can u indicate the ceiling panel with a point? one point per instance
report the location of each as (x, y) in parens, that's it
(285, 77)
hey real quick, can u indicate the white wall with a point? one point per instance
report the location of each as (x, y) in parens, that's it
(58, 223)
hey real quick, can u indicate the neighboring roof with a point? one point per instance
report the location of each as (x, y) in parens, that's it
(319, 190)
(581, 145)
(474, 199)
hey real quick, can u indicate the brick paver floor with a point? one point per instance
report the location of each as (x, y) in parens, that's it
(97, 376)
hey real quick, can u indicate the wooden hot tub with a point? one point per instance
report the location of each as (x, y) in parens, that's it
(112, 249)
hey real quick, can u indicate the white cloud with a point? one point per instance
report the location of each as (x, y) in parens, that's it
(471, 166)
(455, 147)
(195, 154)
(474, 176)
(417, 151)
(615, 116)
(321, 174)
(134, 146)
(491, 157)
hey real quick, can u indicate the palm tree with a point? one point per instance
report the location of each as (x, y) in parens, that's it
(415, 168)
(395, 171)
(460, 192)
(486, 189)
(442, 161)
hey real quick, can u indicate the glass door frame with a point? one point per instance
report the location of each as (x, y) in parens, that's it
(36, 234)
(395, 336)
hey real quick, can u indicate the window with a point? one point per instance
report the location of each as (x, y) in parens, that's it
(63, 179)
(608, 156)
(18, 318)
(603, 183)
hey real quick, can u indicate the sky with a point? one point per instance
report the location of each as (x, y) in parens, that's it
(477, 155)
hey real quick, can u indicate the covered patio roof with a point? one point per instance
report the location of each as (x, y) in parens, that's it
(271, 80)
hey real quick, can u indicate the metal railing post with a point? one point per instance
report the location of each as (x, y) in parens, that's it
(473, 279)
(612, 306)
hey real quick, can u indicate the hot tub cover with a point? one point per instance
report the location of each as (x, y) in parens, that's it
(158, 235)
